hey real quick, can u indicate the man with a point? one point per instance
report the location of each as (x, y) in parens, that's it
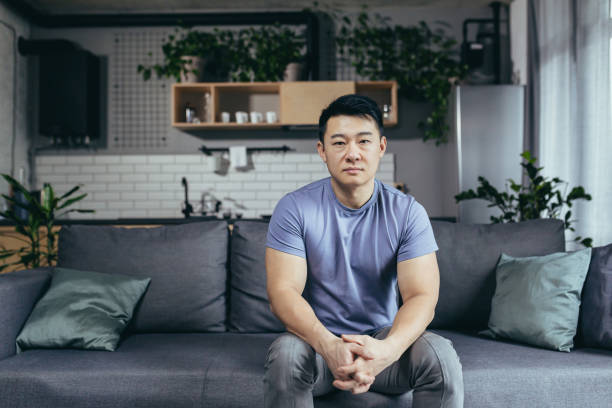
(336, 249)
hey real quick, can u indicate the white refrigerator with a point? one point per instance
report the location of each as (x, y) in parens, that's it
(486, 139)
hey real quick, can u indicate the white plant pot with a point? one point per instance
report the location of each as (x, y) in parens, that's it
(293, 72)
(193, 62)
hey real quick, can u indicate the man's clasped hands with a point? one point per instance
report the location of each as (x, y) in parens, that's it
(355, 360)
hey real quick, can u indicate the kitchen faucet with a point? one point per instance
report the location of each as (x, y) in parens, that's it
(188, 208)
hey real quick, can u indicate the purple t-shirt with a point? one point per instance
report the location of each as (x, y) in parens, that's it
(351, 254)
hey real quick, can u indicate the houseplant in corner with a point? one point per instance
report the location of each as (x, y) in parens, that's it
(35, 230)
(540, 198)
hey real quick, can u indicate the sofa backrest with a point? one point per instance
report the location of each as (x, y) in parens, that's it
(186, 264)
(467, 257)
(249, 306)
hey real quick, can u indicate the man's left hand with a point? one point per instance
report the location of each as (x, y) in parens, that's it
(363, 371)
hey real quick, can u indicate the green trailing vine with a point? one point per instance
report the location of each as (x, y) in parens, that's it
(540, 198)
(423, 61)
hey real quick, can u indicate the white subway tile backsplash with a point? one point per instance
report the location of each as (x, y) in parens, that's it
(49, 160)
(106, 178)
(107, 196)
(138, 186)
(147, 168)
(136, 178)
(64, 169)
(79, 159)
(270, 176)
(80, 178)
(154, 159)
(103, 159)
(94, 169)
(133, 159)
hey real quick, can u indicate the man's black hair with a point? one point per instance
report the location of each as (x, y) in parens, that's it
(351, 105)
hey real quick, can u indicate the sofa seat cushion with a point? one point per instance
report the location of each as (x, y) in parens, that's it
(155, 370)
(504, 374)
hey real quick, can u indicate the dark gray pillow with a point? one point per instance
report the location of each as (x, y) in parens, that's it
(596, 309)
(249, 306)
(83, 310)
(186, 264)
(467, 259)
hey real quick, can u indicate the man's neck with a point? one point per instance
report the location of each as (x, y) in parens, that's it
(353, 197)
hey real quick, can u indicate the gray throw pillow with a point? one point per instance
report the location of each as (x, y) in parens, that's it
(596, 309)
(83, 310)
(467, 259)
(537, 299)
(186, 264)
(249, 305)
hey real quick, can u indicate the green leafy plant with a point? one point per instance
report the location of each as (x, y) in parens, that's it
(540, 198)
(188, 42)
(263, 53)
(36, 229)
(252, 54)
(423, 61)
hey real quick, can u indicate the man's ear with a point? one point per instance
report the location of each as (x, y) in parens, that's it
(321, 150)
(383, 145)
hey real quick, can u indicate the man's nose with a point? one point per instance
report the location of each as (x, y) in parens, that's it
(353, 152)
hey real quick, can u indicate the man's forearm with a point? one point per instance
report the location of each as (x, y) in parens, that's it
(410, 322)
(299, 318)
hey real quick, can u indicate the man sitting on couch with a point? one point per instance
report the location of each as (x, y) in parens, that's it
(336, 249)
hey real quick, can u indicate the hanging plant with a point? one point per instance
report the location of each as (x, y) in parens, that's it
(540, 198)
(423, 61)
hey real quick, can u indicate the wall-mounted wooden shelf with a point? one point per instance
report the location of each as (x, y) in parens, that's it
(295, 103)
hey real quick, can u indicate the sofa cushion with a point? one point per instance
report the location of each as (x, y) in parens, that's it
(82, 309)
(249, 306)
(596, 310)
(186, 264)
(537, 298)
(467, 257)
(502, 374)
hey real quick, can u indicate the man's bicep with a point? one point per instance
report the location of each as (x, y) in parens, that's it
(419, 276)
(285, 271)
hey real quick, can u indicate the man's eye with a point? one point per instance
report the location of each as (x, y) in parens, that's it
(338, 143)
(365, 141)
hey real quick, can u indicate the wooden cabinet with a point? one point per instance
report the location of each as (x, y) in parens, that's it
(294, 103)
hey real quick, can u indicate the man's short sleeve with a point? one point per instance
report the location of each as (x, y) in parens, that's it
(285, 231)
(418, 237)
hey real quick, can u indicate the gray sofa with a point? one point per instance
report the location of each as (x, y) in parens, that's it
(200, 334)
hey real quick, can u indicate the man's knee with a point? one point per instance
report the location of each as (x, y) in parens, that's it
(438, 362)
(290, 362)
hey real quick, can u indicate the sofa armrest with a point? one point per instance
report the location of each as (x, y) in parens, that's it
(19, 292)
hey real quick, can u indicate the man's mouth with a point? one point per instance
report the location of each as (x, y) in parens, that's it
(352, 170)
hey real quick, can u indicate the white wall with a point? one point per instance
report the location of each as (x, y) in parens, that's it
(518, 40)
(7, 84)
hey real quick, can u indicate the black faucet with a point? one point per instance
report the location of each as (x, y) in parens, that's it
(188, 208)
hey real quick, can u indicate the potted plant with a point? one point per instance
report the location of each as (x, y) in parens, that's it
(35, 229)
(191, 56)
(267, 53)
(540, 198)
(423, 61)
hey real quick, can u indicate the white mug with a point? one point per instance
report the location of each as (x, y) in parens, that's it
(271, 117)
(225, 117)
(242, 117)
(256, 117)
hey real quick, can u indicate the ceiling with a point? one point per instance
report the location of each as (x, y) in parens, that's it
(169, 6)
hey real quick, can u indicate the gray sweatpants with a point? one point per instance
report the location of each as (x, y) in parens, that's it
(295, 373)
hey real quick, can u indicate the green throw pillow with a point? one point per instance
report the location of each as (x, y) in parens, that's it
(82, 309)
(537, 298)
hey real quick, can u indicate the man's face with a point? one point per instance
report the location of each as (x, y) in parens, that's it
(352, 148)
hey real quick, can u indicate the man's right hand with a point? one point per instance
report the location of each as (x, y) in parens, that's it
(338, 353)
